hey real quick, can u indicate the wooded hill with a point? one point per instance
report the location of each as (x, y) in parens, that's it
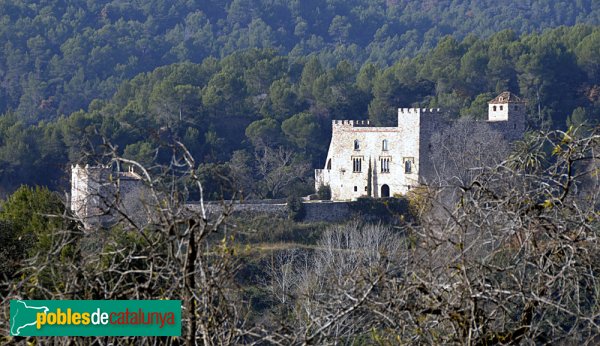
(57, 56)
(75, 74)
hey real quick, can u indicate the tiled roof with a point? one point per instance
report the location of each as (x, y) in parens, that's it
(507, 97)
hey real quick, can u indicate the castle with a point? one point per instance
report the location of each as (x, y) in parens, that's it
(99, 194)
(364, 160)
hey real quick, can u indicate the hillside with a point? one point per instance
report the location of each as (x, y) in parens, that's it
(235, 113)
(59, 55)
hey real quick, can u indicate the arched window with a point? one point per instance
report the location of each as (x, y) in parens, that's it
(356, 144)
(494, 108)
(329, 164)
(384, 145)
(501, 107)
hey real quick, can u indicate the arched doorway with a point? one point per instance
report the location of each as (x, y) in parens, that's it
(385, 191)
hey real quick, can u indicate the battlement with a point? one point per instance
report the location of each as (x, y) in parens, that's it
(103, 173)
(419, 110)
(351, 123)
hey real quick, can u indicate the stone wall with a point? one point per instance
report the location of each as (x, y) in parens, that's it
(214, 208)
(359, 140)
(327, 211)
(407, 155)
(315, 211)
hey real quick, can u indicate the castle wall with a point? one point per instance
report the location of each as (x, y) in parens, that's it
(431, 123)
(327, 212)
(100, 197)
(404, 143)
(497, 112)
(513, 128)
(409, 149)
(345, 181)
(313, 211)
(91, 192)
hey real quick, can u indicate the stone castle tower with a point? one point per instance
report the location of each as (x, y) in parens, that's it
(383, 161)
(507, 114)
(99, 192)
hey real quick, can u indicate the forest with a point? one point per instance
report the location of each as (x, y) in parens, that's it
(234, 112)
(231, 100)
(57, 56)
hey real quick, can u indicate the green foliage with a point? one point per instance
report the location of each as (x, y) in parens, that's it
(324, 192)
(303, 130)
(28, 220)
(141, 152)
(220, 95)
(58, 56)
(295, 207)
(12, 248)
(478, 108)
(33, 211)
(264, 132)
(381, 210)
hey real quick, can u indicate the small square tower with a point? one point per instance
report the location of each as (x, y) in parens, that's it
(505, 106)
(507, 114)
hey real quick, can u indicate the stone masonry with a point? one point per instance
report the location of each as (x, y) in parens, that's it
(100, 197)
(364, 160)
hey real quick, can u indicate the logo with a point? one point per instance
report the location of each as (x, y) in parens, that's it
(95, 317)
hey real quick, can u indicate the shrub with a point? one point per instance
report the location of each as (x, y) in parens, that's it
(295, 208)
(324, 192)
(419, 201)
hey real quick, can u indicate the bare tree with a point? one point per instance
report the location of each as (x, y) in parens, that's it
(278, 169)
(179, 252)
(514, 261)
(463, 150)
(331, 287)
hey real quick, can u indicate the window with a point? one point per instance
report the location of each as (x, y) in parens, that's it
(385, 164)
(494, 108)
(501, 107)
(356, 164)
(355, 189)
(329, 164)
(384, 145)
(356, 144)
(408, 165)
